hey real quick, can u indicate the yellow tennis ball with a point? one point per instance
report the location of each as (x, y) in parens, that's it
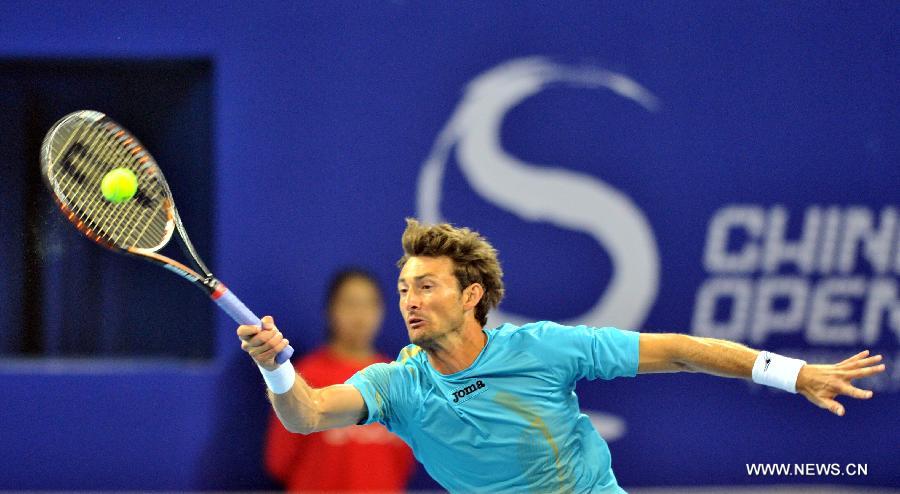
(119, 185)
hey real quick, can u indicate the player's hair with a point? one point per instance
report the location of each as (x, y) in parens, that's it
(338, 280)
(474, 259)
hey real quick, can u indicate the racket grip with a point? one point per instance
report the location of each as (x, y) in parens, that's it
(233, 306)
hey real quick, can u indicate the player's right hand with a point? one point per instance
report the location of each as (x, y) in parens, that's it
(262, 343)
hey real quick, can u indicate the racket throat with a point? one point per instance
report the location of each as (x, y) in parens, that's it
(188, 248)
(212, 286)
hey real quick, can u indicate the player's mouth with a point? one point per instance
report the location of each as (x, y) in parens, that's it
(415, 322)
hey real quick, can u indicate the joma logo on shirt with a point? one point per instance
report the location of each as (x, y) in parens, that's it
(462, 393)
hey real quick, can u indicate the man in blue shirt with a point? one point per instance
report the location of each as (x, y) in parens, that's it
(494, 410)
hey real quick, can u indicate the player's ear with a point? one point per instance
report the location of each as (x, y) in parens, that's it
(472, 295)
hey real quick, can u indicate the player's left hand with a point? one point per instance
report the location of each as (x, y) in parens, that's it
(820, 384)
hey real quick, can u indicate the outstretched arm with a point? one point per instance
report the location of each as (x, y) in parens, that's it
(300, 407)
(820, 384)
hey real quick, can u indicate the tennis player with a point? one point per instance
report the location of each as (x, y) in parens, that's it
(494, 410)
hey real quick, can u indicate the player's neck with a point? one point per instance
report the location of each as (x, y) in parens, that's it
(458, 350)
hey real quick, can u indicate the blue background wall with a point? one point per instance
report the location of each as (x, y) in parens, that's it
(323, 115)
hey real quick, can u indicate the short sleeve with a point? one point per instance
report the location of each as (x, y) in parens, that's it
(374, 383)
(592, 353)
(390, 389)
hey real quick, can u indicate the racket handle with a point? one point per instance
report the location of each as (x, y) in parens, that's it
(233, 306)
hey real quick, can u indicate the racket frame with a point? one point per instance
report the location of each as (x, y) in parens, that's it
(201, 277)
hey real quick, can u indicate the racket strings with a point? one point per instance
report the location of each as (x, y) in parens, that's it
(94, 220)
(128, 216)
(79, 193)
(130, 219)
(105, 215)
(128, 224)
(156, 192)
(61, 179)
(72, 189)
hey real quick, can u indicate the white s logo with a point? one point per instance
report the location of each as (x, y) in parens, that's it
(540, 193)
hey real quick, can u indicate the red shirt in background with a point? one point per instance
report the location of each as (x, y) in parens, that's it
(354, 458)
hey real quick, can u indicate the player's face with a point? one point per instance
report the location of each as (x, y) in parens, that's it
(430, 299)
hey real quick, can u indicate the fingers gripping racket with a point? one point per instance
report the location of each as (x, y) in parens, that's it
(77, 153)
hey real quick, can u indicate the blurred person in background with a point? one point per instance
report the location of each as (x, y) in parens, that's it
(348, 459)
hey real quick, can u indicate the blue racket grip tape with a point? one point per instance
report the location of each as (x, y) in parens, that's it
(233, 306)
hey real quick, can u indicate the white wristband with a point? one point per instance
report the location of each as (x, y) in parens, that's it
(280, 380)
(778, 371)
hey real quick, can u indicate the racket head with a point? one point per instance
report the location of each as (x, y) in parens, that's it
(76, 154)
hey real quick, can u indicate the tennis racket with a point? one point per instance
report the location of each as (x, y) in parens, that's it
(77, 152)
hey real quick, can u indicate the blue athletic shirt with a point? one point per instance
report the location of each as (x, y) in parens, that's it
(510, 422)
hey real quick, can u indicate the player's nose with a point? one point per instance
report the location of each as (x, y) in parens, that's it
(412, 301)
